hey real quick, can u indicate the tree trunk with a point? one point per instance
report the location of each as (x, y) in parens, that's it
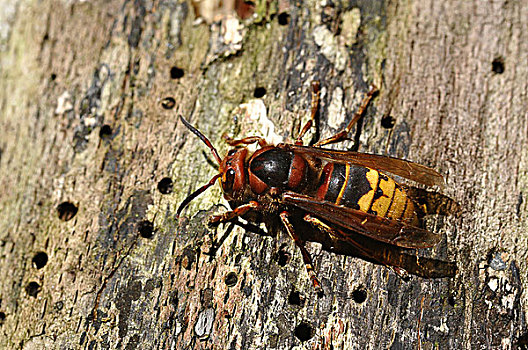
(94, 163)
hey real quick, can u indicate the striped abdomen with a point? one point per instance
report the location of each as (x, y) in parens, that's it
(367, 190)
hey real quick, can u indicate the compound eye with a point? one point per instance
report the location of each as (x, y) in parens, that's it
(228, 180)
(231, 152)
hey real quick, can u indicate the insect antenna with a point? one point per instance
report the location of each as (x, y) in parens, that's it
(203, 138)
(211, 182)
(195, 194)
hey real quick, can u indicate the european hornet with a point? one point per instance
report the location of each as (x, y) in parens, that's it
(341, 199)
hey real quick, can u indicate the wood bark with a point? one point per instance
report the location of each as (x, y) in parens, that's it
(92, 254)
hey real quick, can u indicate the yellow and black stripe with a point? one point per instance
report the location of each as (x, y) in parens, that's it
(367, 190)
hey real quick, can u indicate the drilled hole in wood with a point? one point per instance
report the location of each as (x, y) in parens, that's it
(497, 65)
(304, 331)
(40, 260)
(2, 317)
(66, 211)
(359, 295)
(168, 103)
(284, 18)
(145, 228)
(105, 131)
(388, 121)
(165, 185)
(259, 92)
(176, 73)
(295, 298)
(283, 257)
(231, 279)
(33, 288)
(53, 76)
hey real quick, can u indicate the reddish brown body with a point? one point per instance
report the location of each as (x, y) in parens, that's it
(275, 170)
(352, 206)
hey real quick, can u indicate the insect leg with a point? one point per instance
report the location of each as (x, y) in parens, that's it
(315, 106)
(217, 243)
(215, 220)
(245, 141)
(342, 135)
(334, 234)
(305, 254)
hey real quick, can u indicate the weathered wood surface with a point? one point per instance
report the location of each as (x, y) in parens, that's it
(82, 93)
